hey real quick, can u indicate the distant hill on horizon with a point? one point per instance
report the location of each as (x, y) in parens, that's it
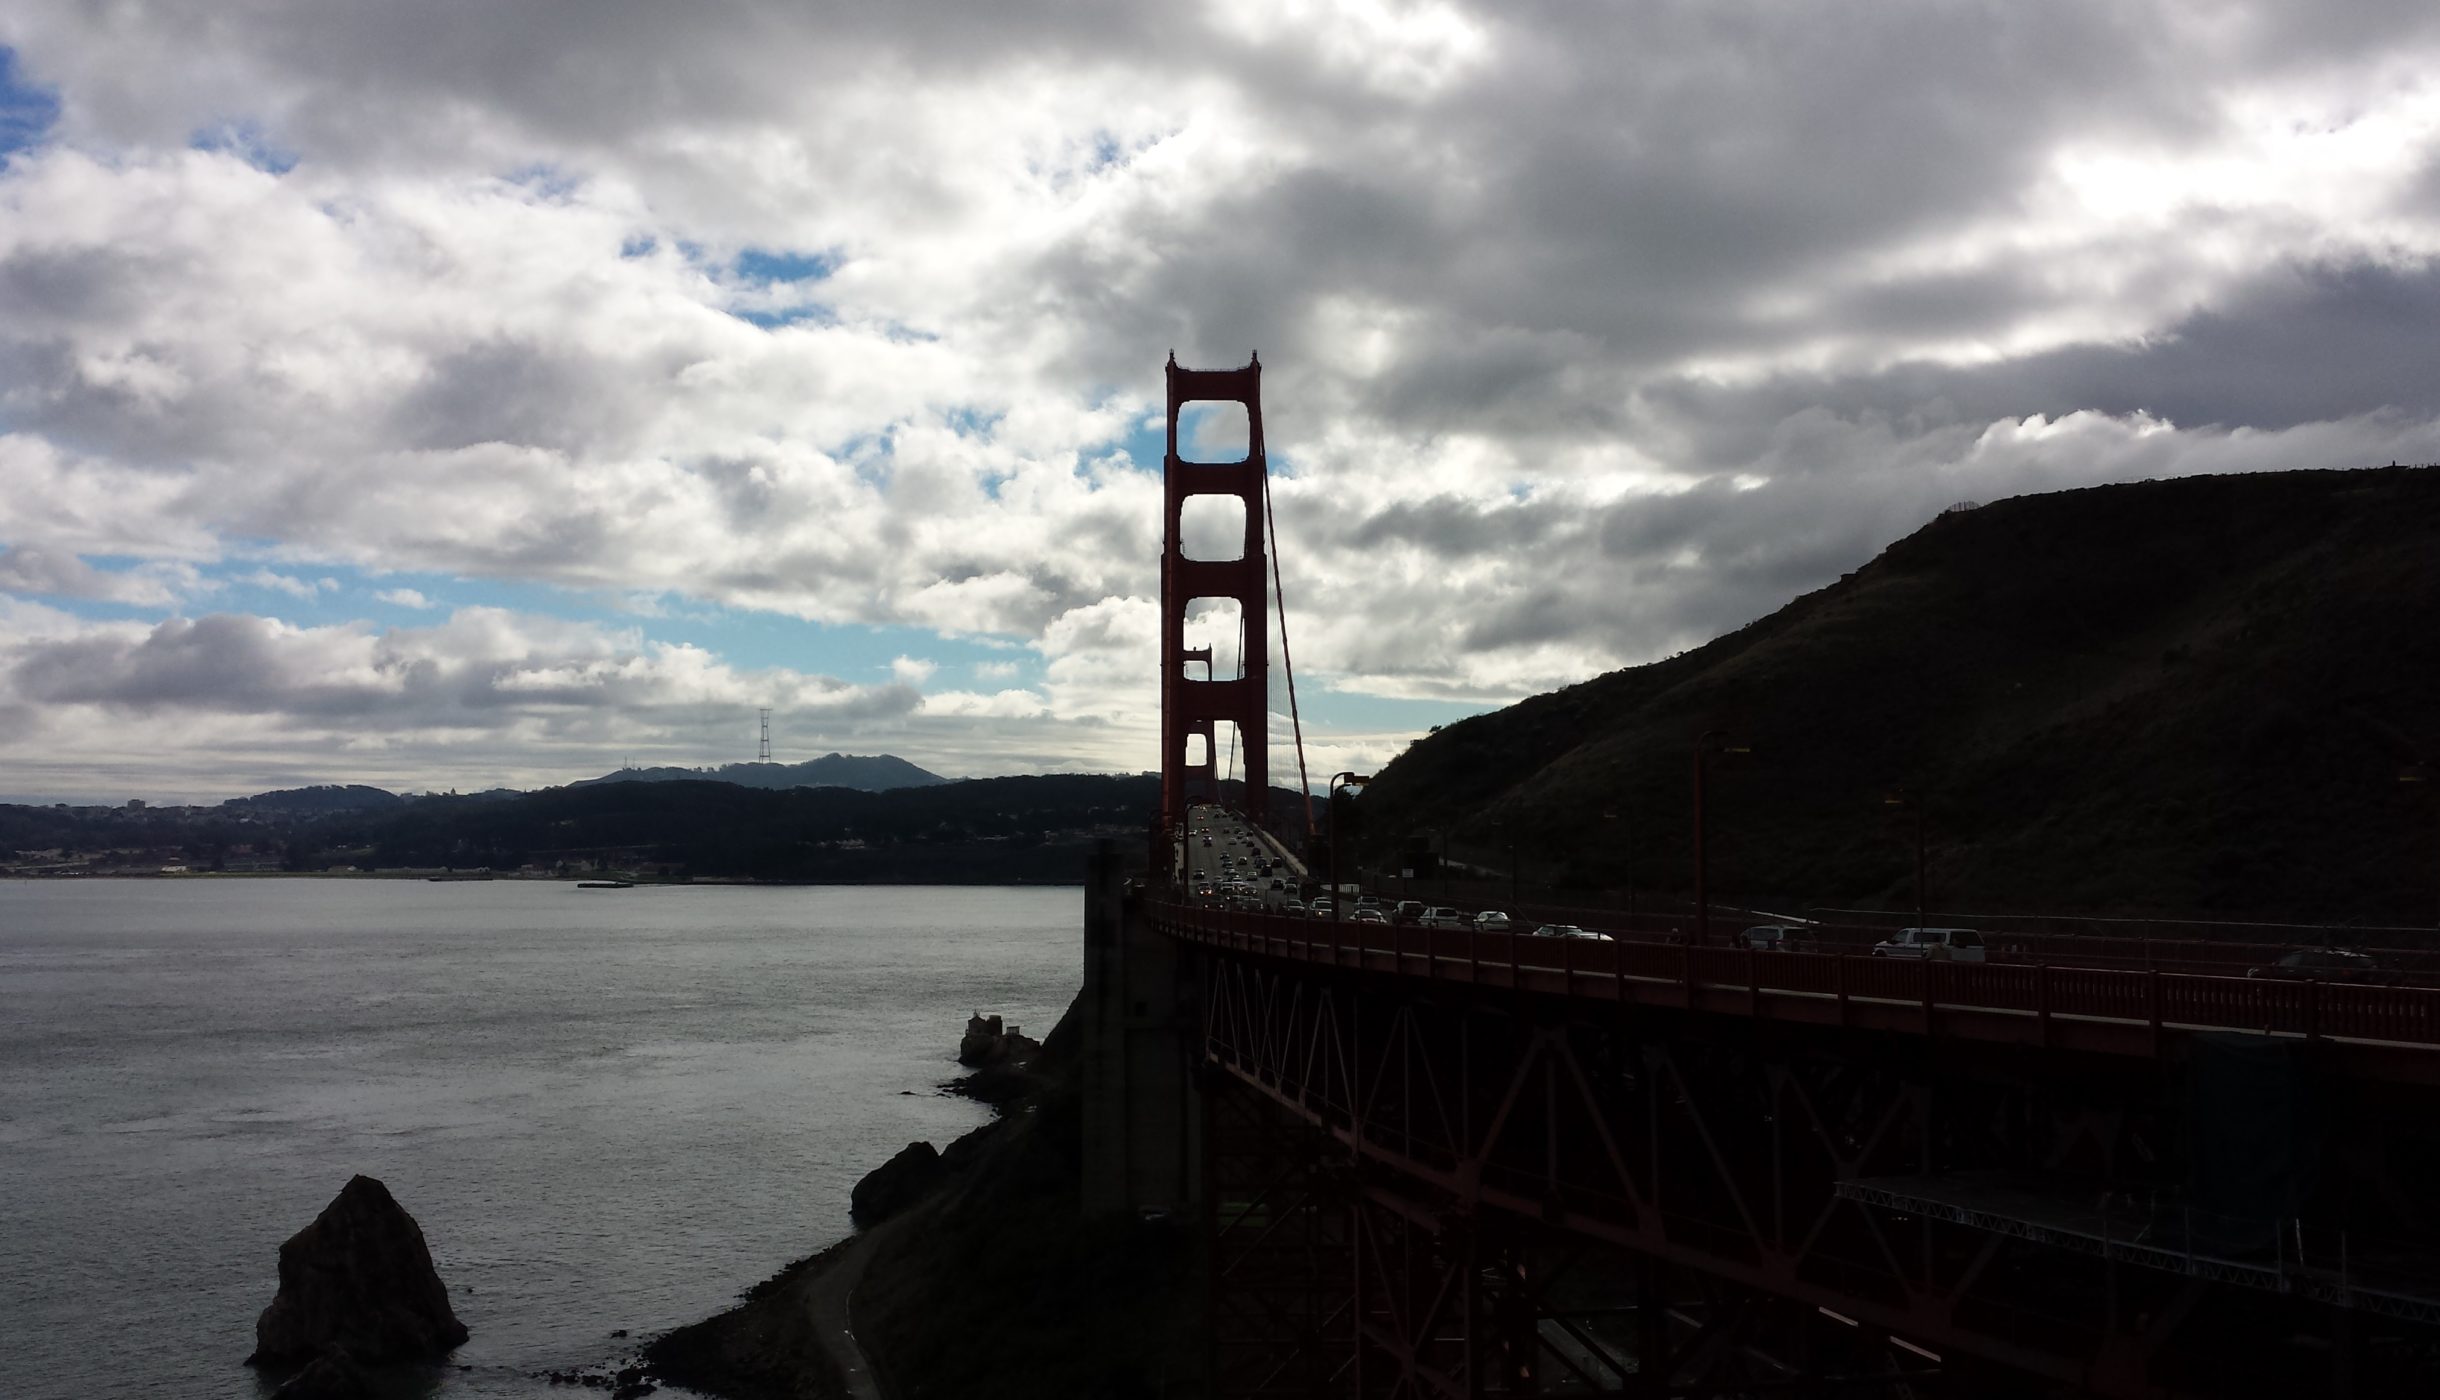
(873, 773)
(323, 797)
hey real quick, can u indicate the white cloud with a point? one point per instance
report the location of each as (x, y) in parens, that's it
(1588, 331)
(289, 584)
(403, 598)
(35, 568)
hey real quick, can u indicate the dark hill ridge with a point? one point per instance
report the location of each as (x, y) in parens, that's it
(329, 797)
(875, 773)
(2190, 695)
(1015, 830)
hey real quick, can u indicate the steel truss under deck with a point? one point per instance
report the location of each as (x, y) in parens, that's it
(1452, 1192)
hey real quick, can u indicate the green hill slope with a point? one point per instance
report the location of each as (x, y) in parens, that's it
(2190, 695)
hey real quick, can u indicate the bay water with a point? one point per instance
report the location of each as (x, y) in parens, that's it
(610, 1110)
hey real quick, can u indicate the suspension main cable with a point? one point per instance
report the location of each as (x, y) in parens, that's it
(1279, 595)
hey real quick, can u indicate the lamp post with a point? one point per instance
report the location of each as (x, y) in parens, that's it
(1626, 865)
(2422, 772)
(1337, 781)
(1908, 797)
(1709, 742)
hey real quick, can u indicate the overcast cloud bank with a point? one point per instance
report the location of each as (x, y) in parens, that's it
(477, 346)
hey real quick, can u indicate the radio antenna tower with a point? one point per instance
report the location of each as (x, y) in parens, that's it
(765, 754)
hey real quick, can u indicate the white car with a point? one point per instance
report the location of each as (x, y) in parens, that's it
(1566, 931)
(1939, 944)
(1491, 921)
(1441, 916)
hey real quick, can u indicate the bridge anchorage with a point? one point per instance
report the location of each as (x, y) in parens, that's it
(1448, 1163)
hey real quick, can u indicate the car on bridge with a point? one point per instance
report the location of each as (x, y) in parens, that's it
(1321, 908)
(1442, 916)
(1407, 912)
(1769, 938)
(1567, 931)
(1937, 944)
(2322, 965)
(1372, 915)
(1492, 921)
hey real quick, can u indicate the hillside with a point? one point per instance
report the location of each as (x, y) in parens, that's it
(1020, 830)
(874, 773)
(2191, 695)
(330, 797)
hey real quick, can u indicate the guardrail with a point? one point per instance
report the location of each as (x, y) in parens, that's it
(2107, 1009)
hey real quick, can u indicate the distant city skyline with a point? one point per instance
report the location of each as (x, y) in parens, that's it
(488, 399)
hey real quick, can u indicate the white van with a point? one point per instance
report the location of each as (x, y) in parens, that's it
(1939, 944)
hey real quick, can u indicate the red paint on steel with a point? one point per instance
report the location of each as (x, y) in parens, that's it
(2096, 1009)
(1197, 707)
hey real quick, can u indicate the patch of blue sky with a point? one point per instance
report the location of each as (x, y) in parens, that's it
(546, 179)
(1148, 445)
(775, 317)
(1348, 710)
(642, 245)
(246, 141)
(27, 110)
(320, 595)
(775, 287)
(973, 422)
(859, 654)
(785, 265)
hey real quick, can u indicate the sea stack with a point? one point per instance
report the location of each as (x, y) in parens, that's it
(359, 1278)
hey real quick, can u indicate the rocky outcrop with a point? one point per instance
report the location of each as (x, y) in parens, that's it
(1002, 1059)
(896, 1184)
(985, 1042)
(361, 1279)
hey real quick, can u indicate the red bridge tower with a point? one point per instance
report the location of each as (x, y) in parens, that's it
(1194, 706)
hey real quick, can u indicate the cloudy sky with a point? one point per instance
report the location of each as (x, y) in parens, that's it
(461, 393)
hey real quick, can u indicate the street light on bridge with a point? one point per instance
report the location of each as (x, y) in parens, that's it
(2422, 771)
(1331, 800)
(1908, 797)
(1709, 742)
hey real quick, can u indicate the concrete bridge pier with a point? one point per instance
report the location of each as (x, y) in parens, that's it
(1142, 1040)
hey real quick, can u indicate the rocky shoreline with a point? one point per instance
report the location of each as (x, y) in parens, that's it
(974, 1269)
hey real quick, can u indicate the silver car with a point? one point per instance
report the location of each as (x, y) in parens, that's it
(1938, 944)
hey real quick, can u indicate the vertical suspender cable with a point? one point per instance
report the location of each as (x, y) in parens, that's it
(1231, 771)
(1279, 595)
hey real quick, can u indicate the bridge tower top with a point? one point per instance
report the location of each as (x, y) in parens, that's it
(1194, 706)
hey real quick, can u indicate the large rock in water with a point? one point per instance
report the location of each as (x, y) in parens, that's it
(358, 1277)
(896, 1184)
(983, 1042)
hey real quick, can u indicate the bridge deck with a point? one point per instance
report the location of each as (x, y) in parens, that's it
(2387, 1032)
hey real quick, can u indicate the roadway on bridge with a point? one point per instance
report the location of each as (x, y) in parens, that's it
(1220, 846)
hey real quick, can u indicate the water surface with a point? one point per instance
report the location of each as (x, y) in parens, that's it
(608, 1109)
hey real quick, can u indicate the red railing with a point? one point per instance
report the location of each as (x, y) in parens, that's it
(2098, 1008)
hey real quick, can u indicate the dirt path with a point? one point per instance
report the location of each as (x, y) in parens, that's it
(826, 1307)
